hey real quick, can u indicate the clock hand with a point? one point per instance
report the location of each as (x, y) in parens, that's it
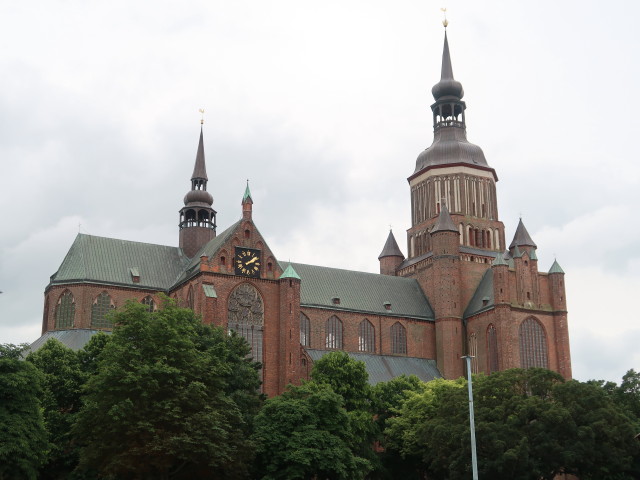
(251, 261)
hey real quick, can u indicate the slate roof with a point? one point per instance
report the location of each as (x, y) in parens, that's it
(522, 237)
(200, 167)
(75, 338)
(382, 368)
(556, 268)
(483, 293)
(444, 222)
(362, 292)
(109, 261)
(390, 248)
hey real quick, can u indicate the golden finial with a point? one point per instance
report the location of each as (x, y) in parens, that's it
(445, 22)
(201, 110)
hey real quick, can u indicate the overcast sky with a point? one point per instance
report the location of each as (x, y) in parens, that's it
(324, 107)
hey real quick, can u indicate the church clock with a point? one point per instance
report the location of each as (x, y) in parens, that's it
(247, 262)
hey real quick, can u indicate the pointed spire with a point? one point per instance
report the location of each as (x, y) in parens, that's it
(555, 268)
(391, 248)
(200, 169)
(246, 198)
(444, 222)
(522, 237)
(290, 272)
(447, 86)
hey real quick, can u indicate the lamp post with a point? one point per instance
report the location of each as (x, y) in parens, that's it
(474, 458)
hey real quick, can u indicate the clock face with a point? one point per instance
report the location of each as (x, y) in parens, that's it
(247, 262)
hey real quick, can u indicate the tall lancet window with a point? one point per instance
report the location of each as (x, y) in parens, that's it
(398, 339)
(492, 349)
(533, 344)
(305, 330)
(366, 336)
(65, 310)
(102, 305)
(246, 317)
(333, 337)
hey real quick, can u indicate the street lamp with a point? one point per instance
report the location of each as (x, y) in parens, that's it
(474, 458)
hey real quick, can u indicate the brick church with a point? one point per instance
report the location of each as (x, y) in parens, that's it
(461, 289)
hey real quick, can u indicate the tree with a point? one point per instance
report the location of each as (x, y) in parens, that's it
(530, 424)
(23, 438)
(346, 376)
(304, 433)
(63, 379)
(159, 405)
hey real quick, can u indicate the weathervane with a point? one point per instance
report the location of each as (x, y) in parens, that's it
(445, 22)
(201, 110)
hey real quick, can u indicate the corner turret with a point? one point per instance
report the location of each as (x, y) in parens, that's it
(391, 257)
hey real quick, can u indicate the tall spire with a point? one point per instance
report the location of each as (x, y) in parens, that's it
(200, 168)
(447, 87)
(197, 217)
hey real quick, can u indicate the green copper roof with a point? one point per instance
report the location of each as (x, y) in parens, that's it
(555, 268)
(482, 299)
(382, 368)
(361, 292)
(247, 194)
(111, 261)
(533, 255)
(499, 260)
(290, 272)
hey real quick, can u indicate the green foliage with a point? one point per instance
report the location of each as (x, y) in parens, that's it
(23, 438)
(347, 377)
(63, 381)
(161, 403)
(530, 424)
(304, 433)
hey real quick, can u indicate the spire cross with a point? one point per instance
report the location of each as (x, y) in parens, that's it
(201, 110)
(445, 22)
(390, 227)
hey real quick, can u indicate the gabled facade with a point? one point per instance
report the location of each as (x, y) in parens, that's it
(458, 291)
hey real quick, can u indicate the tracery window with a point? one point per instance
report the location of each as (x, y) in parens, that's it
(473, 352)
(533, 344)
(65, 310)
(366, 336)
(492, 349)
(148, 301)
(305, 330)
(398, 338)
(333, 337)
(102, 305)
(246, 317)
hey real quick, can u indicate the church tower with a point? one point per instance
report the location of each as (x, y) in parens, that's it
(197, 217)
(455, 172)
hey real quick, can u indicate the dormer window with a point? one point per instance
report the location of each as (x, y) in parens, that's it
(335, 300)
(387, 305)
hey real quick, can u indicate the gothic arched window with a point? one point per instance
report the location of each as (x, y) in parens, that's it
(148, 301)
(305, 330)
(398, 338)
(246, 317)
(492, 349)
(533, 344)
(473, 352)
(333, 337)
(65, 310)
(366, 336)
(102, 304)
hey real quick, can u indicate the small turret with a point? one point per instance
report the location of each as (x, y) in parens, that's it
(247, 203)
(522, 239)
(391, 257)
